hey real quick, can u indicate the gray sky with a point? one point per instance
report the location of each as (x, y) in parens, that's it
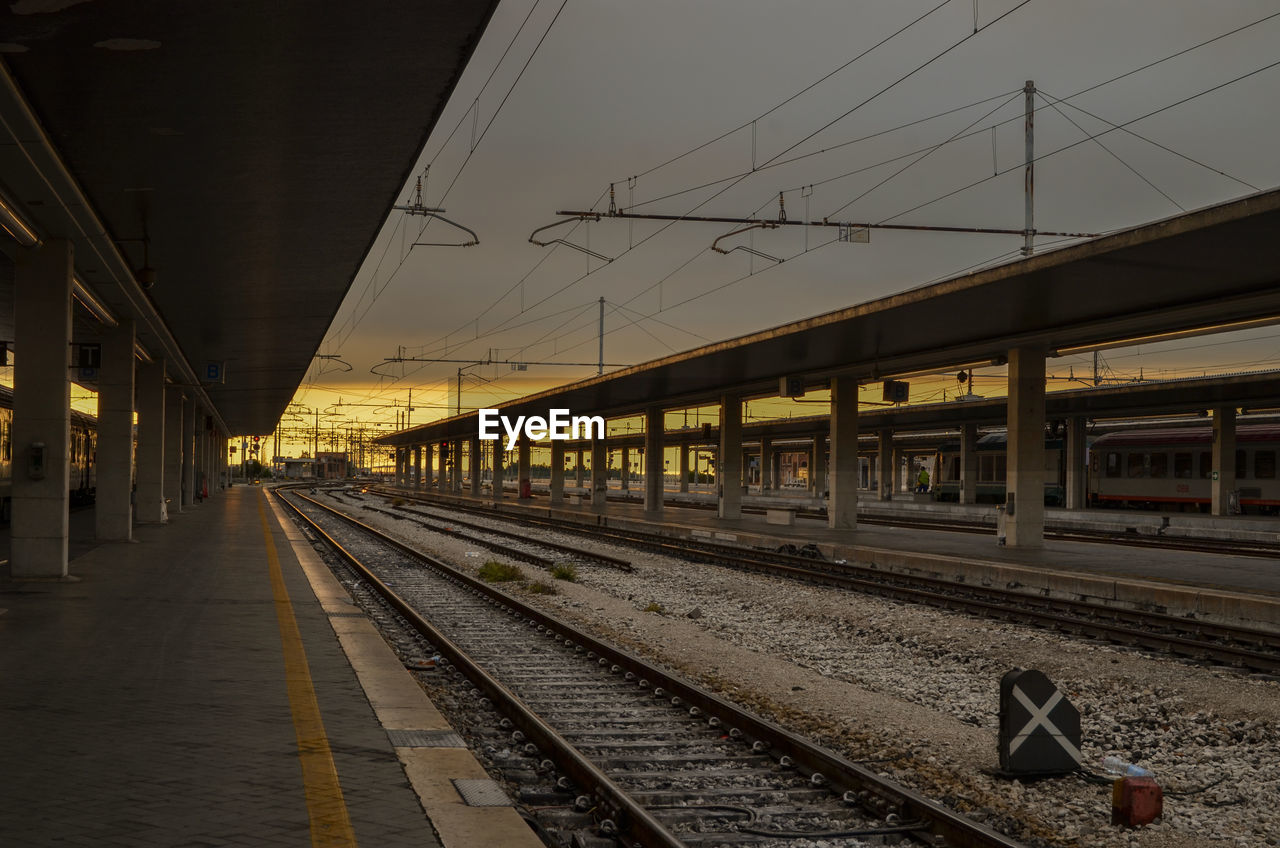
(618, 88)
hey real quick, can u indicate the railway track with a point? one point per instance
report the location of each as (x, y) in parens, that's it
(659, 762)
(1238, 647)
(517, 546)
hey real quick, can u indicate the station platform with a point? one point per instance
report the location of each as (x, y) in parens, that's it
(1220, 587)
(212, 684)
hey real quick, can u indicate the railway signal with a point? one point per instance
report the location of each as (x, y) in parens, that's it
(1039, 727)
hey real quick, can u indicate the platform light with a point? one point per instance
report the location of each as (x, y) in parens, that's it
(14, 224)
(89, 301)
(1224, 327)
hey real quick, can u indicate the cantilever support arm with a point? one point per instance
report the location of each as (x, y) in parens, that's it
(585, 217)
(475, 239)
(762, 225)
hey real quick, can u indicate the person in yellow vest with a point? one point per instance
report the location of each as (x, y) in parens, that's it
(922, 482)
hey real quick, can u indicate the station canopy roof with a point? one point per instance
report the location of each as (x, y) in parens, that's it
(257, 147)
(1200, 270)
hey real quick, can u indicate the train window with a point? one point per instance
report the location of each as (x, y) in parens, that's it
(1242, 465)
(1264, 465)
(1159, 465)
(1113, 464)
(1002, 468)
(1206, 465)
(1136, 466)
(1182, 465)
(986, 468)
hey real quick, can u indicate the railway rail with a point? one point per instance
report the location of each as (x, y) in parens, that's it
(1239, 647)
(663, 763)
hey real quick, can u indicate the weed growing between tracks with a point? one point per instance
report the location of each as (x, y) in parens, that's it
(499, 572)
(565, 571)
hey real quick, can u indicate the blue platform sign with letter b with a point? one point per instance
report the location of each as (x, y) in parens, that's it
(213, 372)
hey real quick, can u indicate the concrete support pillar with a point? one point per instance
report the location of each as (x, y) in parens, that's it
(599, 474)
(884, 464)
(557, 472)
(188, 451)
(766, 466)
(1024, 501)
(41, 412)
(729, 467)
(684, 468)
(442, 467)
(151, 432)
(899, 458)
(498, 468)
(968, 464)
(626, 469)
(113, 512)
(654, 464)
(417, 465)
(1222, 481)
(578, 470)
(842, 508)
(173, 422)
(1076, 495)
(477, 466)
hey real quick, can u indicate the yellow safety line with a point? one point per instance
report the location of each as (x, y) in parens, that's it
(330, 824)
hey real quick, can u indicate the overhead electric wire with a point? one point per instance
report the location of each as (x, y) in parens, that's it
(461, 168)
(1084, 140)
(792, 97)
(1116, 156)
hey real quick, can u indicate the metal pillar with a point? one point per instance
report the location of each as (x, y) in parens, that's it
(884, 464)
(417, 465)
(113, 511)
(151, 430)
(1028, 244)
(654, 469)
(577, 470)
(173, 422)
(842, 508)
(1222, 482)
(599, 474)
(1024, 501)
(968, 463)
(729, 466)
(41, 412)
(1077, 495)
(626, 469)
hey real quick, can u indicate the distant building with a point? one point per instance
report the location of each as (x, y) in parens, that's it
(331, 465)
(298, 469)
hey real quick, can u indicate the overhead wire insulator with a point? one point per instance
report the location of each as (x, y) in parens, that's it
(613, 206)
(782, 209)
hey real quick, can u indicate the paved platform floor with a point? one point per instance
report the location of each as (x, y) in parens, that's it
(147, 704)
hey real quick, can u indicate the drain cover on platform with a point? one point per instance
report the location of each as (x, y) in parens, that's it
(481, 793)
(425, 739)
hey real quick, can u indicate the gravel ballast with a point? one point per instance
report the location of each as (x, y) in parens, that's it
(914, 692)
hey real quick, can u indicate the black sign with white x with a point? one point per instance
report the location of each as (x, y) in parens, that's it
(1039, 728)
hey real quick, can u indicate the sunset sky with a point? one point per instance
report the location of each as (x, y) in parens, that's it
(593, 93)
